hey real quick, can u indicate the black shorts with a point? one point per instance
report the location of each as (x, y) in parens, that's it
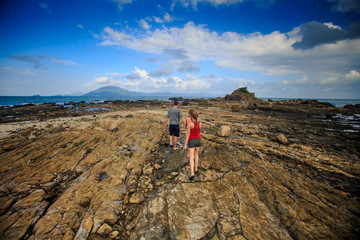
(174, 130)
(195, 142)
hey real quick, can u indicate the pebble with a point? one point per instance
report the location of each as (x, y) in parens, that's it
(114, 234)
(157, 166)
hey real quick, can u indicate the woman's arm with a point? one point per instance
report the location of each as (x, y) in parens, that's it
(188, 134)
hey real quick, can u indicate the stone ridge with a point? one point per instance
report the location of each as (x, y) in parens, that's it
(113, 176)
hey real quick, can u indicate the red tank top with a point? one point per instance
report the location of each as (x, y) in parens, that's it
(194, 134)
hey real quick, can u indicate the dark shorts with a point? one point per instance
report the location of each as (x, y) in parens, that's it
(174, 130)
(196, 142)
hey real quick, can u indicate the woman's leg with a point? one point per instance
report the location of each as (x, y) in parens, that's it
(191, 150)
(196, 156)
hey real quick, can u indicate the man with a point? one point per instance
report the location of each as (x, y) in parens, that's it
(175, 115)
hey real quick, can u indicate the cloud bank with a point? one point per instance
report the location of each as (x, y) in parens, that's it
(272, 54)
(316, 55)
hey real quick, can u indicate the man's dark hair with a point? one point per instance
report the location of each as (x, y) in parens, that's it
(176, 103)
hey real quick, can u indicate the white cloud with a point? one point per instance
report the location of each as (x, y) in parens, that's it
(141, 73)
(102, 80)
(144, 24)
(140, 79)
(114, 74)
(26, 72)
(271, 54)
(80, 26)
(330, 80)
(332, 26)
(121, 3)
(194, 3)
(353, 75)
(166, 19)
(311, 71)
(67, 62)
(133, 84)
(302, 80)
(57, 60)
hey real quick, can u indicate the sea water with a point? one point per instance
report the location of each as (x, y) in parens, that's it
(61, 100)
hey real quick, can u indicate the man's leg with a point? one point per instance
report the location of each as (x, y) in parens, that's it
(171, 137)
(175, 142)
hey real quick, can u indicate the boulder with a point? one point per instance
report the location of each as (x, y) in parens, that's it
(224, 131)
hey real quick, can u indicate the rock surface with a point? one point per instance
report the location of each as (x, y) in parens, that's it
(114, 176)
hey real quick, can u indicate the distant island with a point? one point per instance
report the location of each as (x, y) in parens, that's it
(112, 91)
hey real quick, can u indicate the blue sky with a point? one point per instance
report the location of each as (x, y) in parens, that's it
(276, 48)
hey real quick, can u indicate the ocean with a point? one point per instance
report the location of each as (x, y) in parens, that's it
(60, 100)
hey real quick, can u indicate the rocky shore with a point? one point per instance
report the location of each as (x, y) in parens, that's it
(285, 170)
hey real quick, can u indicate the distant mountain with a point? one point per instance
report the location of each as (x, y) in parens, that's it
(111, 91)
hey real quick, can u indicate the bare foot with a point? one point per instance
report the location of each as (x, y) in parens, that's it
(175, 148)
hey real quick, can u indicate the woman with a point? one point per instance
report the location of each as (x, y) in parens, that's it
(188, 120)
(194, 140)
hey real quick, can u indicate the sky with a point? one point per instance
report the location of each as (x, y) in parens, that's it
(275, 48)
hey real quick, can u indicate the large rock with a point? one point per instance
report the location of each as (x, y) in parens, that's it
(224, 131)
(241, 94)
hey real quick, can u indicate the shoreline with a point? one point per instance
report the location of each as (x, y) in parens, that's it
(68, 100)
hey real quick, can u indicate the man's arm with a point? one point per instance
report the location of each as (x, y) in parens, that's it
(183, 120)
(166, 122)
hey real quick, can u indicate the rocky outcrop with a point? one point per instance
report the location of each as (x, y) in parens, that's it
(115, 177)
(241, 94)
